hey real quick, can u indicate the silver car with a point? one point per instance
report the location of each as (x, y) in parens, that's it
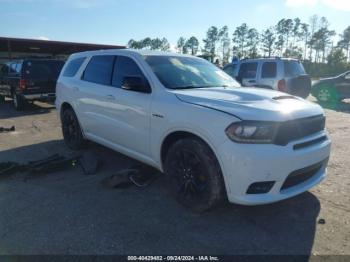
(282, 74)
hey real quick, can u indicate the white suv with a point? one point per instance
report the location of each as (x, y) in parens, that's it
(189, 119)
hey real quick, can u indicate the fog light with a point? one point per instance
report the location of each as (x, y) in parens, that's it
(260, 187)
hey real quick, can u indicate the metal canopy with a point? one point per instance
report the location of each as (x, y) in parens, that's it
(32, 46)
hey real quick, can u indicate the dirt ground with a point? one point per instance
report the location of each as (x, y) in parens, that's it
(68, 212)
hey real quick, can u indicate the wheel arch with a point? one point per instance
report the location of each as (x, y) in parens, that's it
(175, 136)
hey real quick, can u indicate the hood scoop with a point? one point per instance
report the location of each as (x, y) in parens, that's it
(284, 97)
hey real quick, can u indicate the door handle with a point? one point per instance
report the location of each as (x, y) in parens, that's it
(75, 88)
(110, 97)
(251, 81)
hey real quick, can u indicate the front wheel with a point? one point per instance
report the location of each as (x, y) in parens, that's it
(72, 134)
(194, 175)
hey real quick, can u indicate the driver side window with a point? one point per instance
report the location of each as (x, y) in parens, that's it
(125, 67)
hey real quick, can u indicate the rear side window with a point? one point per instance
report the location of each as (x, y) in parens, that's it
(124, 67)
(73, 66)
(42, 69)
(99, 70)
(269, 70)
(248, 70)
(293, 68)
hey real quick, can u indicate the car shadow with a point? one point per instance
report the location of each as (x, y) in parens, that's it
(136, 220)
(8, 111)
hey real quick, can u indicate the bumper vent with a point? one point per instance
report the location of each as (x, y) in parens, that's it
(299, 176)
(300, 128)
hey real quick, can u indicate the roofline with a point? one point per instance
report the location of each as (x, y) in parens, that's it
(58, 42)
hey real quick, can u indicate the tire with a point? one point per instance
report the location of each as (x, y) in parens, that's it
(19, 101)
(72, 134)
(326, 93)
(193, 175)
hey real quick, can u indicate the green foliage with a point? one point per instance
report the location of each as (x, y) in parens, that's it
(310, 42)
(148, 43)
(210, 42)
(193, 45)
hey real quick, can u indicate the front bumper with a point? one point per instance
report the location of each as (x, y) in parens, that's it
(246, 164)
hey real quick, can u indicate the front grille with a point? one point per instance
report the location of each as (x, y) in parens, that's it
(299, 128)
(301, 175)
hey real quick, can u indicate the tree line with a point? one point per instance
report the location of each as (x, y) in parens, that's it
(312, 41)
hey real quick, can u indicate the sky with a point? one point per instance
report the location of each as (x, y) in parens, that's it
(117, 21)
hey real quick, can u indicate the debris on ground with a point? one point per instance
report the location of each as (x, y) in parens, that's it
(6, 130)
(139, 175)
(89, 162)
(9, 168)
(322, 221)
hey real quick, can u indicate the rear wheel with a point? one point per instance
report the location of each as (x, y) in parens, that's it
(19, 101)
(72, 134)
(194, 175)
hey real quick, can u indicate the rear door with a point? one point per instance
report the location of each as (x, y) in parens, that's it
(268, 74)
(247, 74)
(41, 75)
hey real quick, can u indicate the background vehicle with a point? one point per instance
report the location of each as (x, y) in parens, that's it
(189, 119)
(332, 89)
(29, 79)
(282, 74)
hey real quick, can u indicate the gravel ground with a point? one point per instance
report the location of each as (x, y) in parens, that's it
(70, 213)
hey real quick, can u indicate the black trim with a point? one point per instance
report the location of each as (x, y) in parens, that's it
(310, 143)
(302, 175)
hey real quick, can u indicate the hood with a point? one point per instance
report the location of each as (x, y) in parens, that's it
(250, 103)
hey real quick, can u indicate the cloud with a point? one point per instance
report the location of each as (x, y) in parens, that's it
(42, 38)
(338, 4)
(343, 5)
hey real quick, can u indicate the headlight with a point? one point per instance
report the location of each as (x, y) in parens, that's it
(252, 132)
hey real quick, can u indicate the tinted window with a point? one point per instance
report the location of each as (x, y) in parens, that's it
(178, 72)
(42, 69)
(248, 70)
(124, 67)
(293, 68)
(73, 67)
(269, 70)
(99, 70)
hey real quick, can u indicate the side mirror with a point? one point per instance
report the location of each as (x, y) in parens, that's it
(136, 83)
(347, 77)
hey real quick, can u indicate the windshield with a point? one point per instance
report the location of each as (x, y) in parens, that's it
(176, 72)
(293, 68)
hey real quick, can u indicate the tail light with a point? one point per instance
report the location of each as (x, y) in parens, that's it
(22, 84)
(281, 85)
